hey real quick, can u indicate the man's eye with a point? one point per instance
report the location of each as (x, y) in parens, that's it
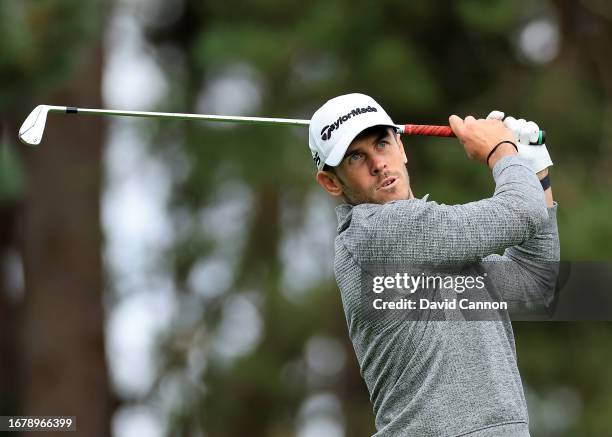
(354, 157)
(382, 144)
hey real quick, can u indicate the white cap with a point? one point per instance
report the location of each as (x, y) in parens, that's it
(336, 124)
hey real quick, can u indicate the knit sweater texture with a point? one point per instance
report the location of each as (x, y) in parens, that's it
(453, 377)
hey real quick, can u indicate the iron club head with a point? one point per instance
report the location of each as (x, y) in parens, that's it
(32, 129)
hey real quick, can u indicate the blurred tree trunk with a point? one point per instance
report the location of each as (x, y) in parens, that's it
(65, 370)
(9, 376)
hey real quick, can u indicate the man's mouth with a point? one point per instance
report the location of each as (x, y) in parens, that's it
(387, 183)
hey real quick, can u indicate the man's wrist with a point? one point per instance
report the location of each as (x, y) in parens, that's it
(542, 174)
(502, 150)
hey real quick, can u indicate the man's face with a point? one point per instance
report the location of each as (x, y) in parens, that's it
(373, 169)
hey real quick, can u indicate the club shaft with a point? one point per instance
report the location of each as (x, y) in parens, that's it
(181, 116)
(407, 129)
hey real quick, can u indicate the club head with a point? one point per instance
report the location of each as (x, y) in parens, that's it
(32, 129)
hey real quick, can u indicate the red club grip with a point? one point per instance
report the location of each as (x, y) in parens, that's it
(426, 129)
(446, 131)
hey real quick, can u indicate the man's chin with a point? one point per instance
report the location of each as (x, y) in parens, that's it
(391, 199)
(380, 196)
(390, 196)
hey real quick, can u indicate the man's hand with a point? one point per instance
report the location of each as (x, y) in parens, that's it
(524, 131)
(479, 137)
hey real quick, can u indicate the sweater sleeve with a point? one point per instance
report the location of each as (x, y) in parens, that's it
(525, 276)
(426, 232)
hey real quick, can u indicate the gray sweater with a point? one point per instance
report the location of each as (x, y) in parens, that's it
(447, 378)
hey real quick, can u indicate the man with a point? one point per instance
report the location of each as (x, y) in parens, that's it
(426, 377)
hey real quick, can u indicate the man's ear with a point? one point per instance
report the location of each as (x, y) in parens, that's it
(330, 183)
(401, 146)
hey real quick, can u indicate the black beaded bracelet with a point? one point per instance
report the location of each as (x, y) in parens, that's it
(496, 146)
(545, 181)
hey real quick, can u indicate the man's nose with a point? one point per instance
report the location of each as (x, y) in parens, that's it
(378, 164)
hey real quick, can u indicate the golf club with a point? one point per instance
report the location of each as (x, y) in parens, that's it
(32, 129)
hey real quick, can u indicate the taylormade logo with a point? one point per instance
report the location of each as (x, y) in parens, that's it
(327, 131)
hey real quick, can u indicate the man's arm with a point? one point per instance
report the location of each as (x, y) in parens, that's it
(418, 231)
(526, 274)
(415, 231)
(548, 196)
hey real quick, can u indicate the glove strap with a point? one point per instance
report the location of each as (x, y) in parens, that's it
(545, 181)
(496, 146)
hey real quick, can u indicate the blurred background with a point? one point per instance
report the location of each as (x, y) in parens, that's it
(175, 278)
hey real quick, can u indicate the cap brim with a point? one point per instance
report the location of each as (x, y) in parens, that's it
(338, 152)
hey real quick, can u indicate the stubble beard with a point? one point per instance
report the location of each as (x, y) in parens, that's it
(354, 198)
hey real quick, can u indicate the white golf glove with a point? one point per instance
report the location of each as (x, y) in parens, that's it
(537, 157)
